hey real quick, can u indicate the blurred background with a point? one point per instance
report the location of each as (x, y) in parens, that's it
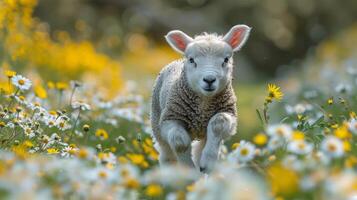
(283, 30)
(127, 35)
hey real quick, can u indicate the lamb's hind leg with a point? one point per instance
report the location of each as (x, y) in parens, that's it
(179, 141)
(220, 127)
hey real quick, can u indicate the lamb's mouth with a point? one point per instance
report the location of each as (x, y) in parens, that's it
(209, 89)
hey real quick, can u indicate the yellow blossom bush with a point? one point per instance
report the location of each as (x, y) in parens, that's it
(27, 44)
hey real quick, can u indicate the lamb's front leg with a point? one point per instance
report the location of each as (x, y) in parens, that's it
(220, 127)
(179, 141)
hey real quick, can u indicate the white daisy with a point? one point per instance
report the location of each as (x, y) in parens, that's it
(245, 151)
(280, 130)
(300, 147)
(81, 105)
(68, 151)
(21, 82)
(63, 124)
(332, 146)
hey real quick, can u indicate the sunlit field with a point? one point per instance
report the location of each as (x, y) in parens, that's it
(74, 121)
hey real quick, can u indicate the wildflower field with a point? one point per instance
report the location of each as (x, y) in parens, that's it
(73, 126)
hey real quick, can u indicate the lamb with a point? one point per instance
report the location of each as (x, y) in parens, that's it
(193, 98)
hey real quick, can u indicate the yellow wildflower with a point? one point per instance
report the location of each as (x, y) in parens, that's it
(10, 73)
(61, 86)
(137, 159)
(28, 144)
(20, 151)
(122, 160)
(40, 92)
(260, 139)
(53, 112)
(283, 181)
(235, 145)
(298, 135)
(135, 144)
(154, 155)
(51, 85)
(274, 92)
(153, 190)
(330, 101)
(2, 124)
(52, 151)
(301, 117)
(102, 155)
(342, 132)
(346, 146)
(113, 149)
(148, 141)
(102, 134)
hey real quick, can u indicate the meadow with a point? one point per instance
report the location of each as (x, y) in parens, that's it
(73, 125)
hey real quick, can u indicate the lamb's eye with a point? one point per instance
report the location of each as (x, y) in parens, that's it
(192, 60)
(225, 61)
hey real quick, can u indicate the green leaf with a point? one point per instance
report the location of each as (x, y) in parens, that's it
(260, 117)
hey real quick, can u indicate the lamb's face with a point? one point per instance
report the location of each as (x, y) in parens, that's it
(208, 63)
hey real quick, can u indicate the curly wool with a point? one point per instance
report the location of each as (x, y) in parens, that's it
(186, 106)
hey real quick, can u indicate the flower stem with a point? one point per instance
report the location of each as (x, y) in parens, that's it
(12, 99)
(75, 124)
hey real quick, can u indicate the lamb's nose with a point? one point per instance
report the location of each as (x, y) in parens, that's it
(209, 79)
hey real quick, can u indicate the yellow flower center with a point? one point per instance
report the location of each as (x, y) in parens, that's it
(244, 152)
(132, 183)
(331, 147)
(154, 190)
(82, 153)
(21, 82)
(301, 146)
(61, 124)
(124, 173)
(280, 132)
(102, 174)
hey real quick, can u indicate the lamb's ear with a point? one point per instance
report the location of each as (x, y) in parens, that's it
(178, 40)
(237, 36)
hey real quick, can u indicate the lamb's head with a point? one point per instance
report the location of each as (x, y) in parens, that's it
(208, 57)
